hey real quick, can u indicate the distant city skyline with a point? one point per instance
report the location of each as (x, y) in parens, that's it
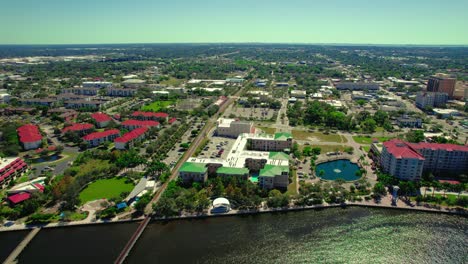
(397, 22)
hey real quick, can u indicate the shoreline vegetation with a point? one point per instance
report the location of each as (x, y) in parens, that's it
(418, 208)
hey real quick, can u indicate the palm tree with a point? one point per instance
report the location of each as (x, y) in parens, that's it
(435, 184)
(446, 186)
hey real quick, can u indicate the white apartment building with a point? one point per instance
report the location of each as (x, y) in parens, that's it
(232, 128)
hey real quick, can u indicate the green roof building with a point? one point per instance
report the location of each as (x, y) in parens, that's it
(192, 171)
(283, 136)
(234, 172)
(278, 156)
(272, 176)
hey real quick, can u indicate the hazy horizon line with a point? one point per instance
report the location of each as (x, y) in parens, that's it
(238, 43)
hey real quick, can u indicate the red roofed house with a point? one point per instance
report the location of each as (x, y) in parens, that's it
(96, 138)
(132, 124)
(408, 160)
(102, 120)
(150, 116)
(18, 198)
(129, 139)
(29, 136)
(11, 168)
(172, 120)
(82, 129)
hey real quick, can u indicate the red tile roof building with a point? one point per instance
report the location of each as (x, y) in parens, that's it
(18, 198)
(129, 139)
(407, 161)
(102, 120)
(132, 124)
(82, 129)
(96, 138)
(29, 136)
(11, 168)
(150, 116)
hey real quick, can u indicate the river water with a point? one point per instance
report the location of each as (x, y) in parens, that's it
(335, 235)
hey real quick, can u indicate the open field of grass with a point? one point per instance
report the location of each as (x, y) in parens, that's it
(368, 140)
(106, 188)
(305, 135)
(326, 148)
(268, 130)
(172, 82)
(157, 105)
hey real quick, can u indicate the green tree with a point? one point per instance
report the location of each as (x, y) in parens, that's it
(369, 125)
(379, 189)
(165, 207)
(415, 136)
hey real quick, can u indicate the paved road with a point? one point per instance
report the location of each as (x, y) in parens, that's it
(203, 133)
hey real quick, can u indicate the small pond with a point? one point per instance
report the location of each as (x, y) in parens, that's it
(332, 170)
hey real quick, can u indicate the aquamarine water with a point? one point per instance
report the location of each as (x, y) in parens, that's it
(336, 169)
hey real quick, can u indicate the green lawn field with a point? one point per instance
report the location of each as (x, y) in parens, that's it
(106, 188)
(305, 135)
(368, 140)
(157, 106)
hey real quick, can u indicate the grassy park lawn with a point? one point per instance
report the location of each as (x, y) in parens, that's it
(326, 148)
(157, 106)
(368, 140)
(268, 130)
(305, 135)
(106, 188)
(172, 82)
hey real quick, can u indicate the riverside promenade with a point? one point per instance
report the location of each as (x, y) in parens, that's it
(385, 203)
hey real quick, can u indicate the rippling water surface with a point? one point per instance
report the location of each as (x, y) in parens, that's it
(352, 235)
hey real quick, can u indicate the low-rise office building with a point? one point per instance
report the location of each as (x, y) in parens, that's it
(121, 92)
(445, 113)
(191, 171)
(281, 141)
(272, 176)
(240, 162)
(232, 128)
(411, 122)
(431, 99)
(97, 84)
(299, 94)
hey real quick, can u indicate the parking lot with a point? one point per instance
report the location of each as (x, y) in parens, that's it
(176, 152)
(217, 148)
(250, 113)
(303, 169)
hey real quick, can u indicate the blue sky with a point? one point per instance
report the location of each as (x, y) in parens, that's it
(293, 21)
